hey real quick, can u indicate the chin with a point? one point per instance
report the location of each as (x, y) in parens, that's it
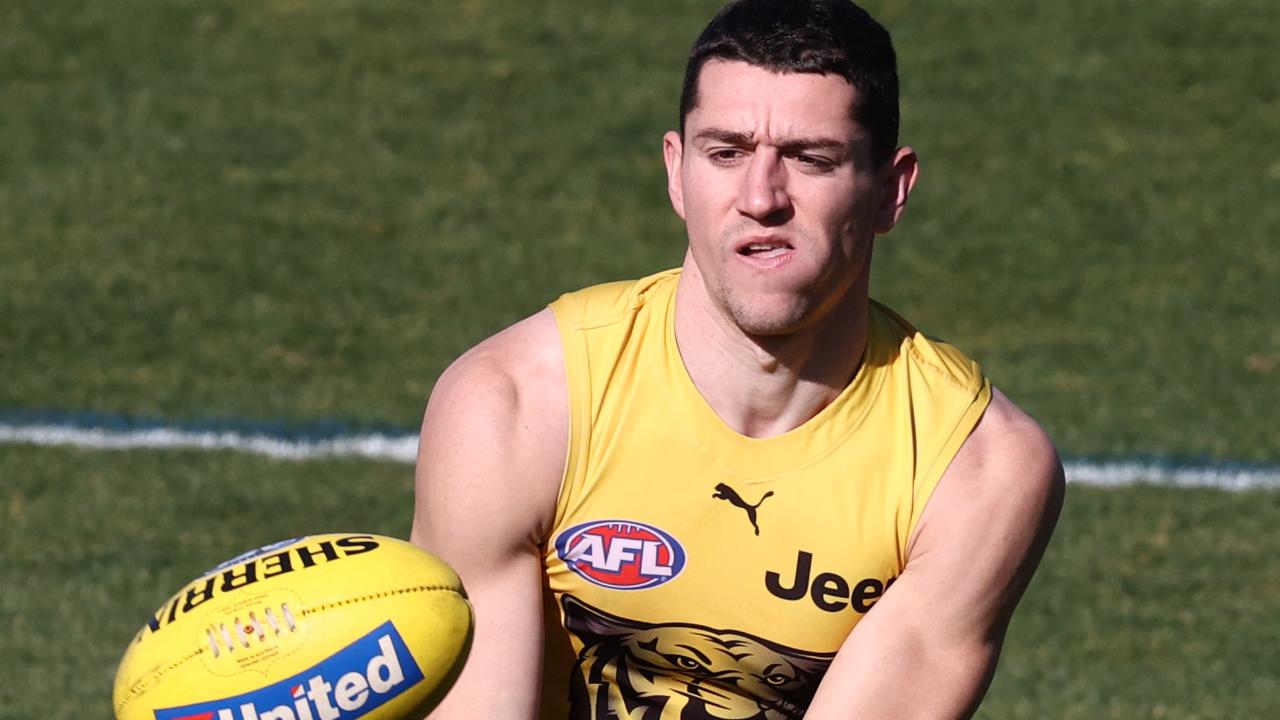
(769, 320)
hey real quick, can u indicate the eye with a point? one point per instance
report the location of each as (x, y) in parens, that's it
(777, 679)
(814, 163)
(725, 156)
(684, 662)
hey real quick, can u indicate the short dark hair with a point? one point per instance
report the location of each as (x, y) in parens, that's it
(807, 36)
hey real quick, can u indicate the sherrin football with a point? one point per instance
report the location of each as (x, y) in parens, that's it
(326, 627)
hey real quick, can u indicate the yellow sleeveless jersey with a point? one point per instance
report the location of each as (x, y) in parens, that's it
(701, 573)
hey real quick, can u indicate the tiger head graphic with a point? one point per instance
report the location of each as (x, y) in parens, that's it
(646, 671)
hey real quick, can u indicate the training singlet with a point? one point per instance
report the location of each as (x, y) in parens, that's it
(701, 573)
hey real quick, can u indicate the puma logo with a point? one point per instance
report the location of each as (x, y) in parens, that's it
(724, 492)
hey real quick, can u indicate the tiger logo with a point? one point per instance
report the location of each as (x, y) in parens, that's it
(635, 670)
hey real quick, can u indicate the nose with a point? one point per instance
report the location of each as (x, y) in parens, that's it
(763, 192)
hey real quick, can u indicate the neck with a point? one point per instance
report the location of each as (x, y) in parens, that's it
(763, 386)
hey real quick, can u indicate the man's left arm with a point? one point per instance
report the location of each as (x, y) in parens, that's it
(928, 648)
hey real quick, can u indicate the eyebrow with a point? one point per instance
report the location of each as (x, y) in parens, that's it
(737, 137)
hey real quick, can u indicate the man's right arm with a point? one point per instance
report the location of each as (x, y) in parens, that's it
(490, 460)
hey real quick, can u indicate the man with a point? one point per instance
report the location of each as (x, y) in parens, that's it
(752, 491)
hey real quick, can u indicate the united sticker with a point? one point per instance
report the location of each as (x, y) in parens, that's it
(621, 554)
(350, 684)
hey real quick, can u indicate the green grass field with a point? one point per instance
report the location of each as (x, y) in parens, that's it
(288, 210)
(1152, 603)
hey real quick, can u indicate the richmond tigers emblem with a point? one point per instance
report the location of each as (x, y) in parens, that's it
(679, 671)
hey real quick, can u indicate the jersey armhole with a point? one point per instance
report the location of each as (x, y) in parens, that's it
(927, 481)
(578, 381)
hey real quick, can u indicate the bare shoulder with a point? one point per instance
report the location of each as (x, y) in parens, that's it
(989, 521)
(1008, 461)
(520, 369)
(493, 439)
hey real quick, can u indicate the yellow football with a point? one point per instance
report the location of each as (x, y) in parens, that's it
(325, 627)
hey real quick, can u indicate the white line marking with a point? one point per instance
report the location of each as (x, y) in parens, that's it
(1121, 473)
(404, 449)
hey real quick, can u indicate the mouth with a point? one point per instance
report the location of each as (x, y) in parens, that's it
(764, 249)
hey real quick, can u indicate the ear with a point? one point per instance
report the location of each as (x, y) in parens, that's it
(672, 155)
(897, 178)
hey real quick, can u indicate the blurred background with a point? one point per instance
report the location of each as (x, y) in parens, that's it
(293, 215)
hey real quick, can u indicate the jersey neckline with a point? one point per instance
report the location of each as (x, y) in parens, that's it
(757, 460)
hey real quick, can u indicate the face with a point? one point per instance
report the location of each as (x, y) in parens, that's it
(775, 182)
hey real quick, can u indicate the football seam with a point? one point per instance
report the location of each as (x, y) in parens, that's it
(139, 688)
(379, 596)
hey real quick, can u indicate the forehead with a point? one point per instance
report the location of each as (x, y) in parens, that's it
(742, 97)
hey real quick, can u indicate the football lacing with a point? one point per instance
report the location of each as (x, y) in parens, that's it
(271, 619)
(256, 626)
(240, 632)
(220, 638)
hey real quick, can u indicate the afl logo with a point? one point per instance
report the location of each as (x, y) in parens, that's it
(621, 554)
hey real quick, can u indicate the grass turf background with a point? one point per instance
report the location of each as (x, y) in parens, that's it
(300, 210)
(305, 210)
(1151, 602)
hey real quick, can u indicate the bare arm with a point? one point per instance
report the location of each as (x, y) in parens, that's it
(490, 461)
(928, 648)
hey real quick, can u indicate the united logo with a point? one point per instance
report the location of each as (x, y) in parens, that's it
(621, 554)
(349, 684)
